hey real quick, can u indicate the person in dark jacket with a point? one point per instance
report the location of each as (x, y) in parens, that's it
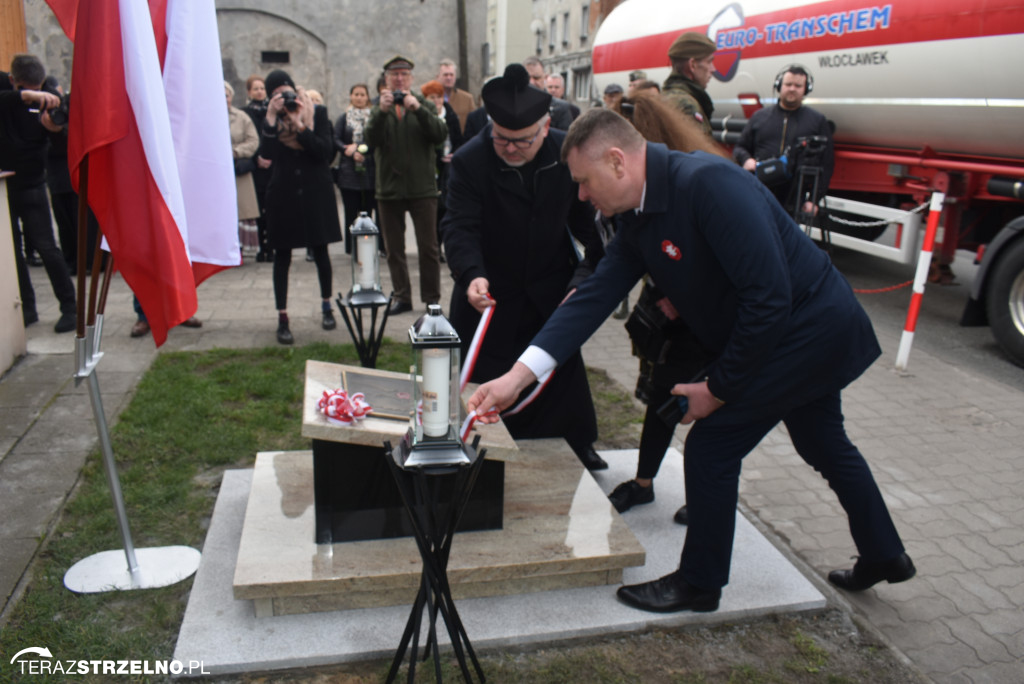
(25, 127)
(775, 131)
(511, 206)
(355, 166)
(301, 207)
(692, 57)
(404, 133)
(786, 330)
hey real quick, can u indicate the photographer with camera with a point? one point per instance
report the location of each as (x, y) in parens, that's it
(782, 143)
(302, 210)
(404, 132)
(25, 128)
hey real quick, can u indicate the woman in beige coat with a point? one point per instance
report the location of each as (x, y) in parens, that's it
(245, 140)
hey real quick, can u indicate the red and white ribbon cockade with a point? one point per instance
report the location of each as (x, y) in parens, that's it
(341, 409)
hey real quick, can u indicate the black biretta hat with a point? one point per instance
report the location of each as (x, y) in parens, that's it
(511, 102)
(277, 78)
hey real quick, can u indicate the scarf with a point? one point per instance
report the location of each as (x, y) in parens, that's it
(356, 119)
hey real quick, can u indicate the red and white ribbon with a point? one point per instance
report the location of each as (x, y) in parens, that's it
(341, 409)
(474, 347)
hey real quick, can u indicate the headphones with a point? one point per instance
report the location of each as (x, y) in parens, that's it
(800, 71)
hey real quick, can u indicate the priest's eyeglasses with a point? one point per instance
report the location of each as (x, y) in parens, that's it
(521, 143)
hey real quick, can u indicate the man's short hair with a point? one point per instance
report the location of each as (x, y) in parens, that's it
(599, 129)
(447, 61)
(27, 70)
(560, 78)
(533, 61)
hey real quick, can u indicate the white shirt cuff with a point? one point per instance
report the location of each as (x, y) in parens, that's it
(538, 361)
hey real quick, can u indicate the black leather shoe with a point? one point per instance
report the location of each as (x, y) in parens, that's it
(66, 323)
(629, 494)
(591, 461)
(329, 323)
(399, 307)
(284, 335)
(865, 575)
(669, 594)
(682, 516)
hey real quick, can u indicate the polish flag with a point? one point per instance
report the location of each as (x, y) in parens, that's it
(139, 153)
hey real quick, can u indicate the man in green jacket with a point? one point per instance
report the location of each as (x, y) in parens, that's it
(692, 56)
(404, 133)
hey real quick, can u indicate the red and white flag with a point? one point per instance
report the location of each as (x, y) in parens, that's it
(140, 154)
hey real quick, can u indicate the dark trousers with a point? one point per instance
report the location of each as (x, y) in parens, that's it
(282, 264)
(30, 216)
(714, 453)
(655, 439)
(424, 221)
(65, 213)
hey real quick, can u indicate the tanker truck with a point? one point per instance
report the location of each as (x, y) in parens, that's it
(924, 97)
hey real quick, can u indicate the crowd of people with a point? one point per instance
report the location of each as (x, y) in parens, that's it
(740, 313)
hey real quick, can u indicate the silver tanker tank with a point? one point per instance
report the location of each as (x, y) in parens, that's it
(908, 74)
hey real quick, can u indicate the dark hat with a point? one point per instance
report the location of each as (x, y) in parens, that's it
(637, 75)
(511, 102)
(277, 78)
(432, 88)
(398, 62)
(612, 89)
(691, 44)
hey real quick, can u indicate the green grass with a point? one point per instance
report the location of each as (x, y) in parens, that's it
(192, 416)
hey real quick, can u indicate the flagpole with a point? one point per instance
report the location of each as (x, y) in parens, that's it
(105, 571)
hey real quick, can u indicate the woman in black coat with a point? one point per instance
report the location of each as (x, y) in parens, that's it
(356, 168)
(301, 207)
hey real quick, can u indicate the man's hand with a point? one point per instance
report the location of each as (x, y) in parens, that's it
(702, 402)
(478, 294)
(410, 102)
(750, 165)
(810, 208)
(387, 100)
(263, 163)
(500, 392)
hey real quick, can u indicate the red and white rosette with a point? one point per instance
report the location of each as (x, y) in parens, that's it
(341, 409)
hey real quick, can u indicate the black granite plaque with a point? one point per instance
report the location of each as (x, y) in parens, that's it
(357, 499)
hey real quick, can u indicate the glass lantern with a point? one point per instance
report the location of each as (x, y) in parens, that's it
(366, 287)
(433, 438)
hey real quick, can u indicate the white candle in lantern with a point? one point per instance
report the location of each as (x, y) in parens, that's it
(366, 249)
(435, 392)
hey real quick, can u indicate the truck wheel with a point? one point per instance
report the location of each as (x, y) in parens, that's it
(1005, 301)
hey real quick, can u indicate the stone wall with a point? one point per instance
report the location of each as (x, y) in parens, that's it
(331, 44)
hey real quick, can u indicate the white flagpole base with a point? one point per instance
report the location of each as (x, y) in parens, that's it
(108, 571)
(903, 353)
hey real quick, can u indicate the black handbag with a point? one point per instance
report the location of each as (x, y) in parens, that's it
(244, 165)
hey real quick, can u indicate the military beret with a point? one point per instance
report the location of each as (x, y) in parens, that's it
(637, 75)
(612, 89)
(691, 44)
(511, 102)
(398, 62)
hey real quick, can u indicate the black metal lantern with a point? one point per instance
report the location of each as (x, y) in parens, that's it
(433, 438)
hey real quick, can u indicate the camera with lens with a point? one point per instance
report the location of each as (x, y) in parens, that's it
(290, 100)
(810, 150)
(399, 96)
(59, 114)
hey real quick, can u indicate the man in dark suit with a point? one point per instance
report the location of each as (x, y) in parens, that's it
(785, 326)
(511, 205)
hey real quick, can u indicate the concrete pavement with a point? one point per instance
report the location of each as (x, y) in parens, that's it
(945, 447)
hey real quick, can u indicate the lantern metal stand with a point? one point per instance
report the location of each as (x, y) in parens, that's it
(366, 293)
(435, 472)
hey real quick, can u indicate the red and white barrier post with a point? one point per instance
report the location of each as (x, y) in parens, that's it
(920, 278)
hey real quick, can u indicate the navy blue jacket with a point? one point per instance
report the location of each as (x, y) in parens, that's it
(752, 287)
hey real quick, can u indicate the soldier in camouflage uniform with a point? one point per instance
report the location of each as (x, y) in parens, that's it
(691, 55)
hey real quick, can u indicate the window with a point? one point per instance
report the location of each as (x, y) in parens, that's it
(552, 33)
(485, 57)
(540, 41)
(581, 84)
(565, 29)
(584, 22)
(275, 57)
